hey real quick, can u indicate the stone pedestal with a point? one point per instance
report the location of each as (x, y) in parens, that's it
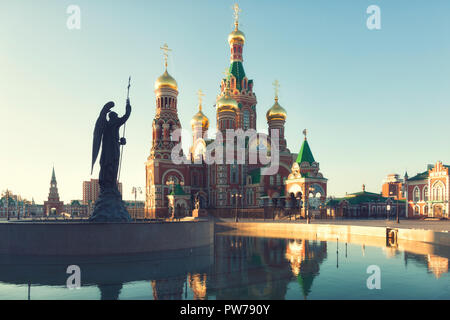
(109, 207)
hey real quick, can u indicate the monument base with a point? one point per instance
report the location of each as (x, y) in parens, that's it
(110, 208)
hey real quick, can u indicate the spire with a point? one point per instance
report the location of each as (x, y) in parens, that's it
(53, 175)
(305, 154)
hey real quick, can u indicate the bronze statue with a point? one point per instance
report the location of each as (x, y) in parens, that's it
(107, 134)
(109, 206)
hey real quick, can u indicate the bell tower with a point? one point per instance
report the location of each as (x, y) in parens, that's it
(240, 87)
(166, 117)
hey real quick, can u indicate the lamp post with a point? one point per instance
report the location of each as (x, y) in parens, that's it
(308, 217)
(236, 196)
(397, 213)
(135, 191)
(388, 211)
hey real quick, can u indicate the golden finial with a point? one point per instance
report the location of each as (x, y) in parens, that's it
(305, 133)
(276, 86)
(200, 98)
(165, 49)
(236, 11)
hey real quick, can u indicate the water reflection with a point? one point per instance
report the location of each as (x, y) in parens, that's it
(236, 267)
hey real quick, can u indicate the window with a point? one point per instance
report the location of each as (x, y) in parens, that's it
(246, 120)
(438, 191)
(425, 194)
(278, 179)
(271, 180)
(416, 210)
(249, 196)
(425, 210)
(234, 174)
(416, 196)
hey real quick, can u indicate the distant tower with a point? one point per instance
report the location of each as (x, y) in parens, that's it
(53, 206)
(276, 118)
(241, 89)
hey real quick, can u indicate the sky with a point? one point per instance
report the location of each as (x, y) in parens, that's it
(374, 102)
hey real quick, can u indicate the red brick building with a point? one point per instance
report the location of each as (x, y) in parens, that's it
(427, 193)
(393, 187)
(222, 188)
(53, 206)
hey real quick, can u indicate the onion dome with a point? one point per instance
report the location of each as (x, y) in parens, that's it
(166, 80)
(226, 101)
(277, 112)
(236, 34)
(200, 117)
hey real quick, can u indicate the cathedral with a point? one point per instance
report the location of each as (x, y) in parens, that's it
(199, 188)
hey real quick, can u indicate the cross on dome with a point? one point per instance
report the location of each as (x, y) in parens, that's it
(165, 48)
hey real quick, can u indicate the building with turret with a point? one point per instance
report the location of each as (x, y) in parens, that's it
(239, 184)
(53, 206)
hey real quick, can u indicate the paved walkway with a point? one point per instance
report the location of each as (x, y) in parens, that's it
(440, 225)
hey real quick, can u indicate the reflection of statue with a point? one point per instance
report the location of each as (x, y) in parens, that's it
(109, 206)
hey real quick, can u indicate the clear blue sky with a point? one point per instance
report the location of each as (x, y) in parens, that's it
(374, 102)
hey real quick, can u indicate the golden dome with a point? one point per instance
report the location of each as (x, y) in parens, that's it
(236, 35)
(166, 80)
(200, 117)
(276, 112)
(226, 101)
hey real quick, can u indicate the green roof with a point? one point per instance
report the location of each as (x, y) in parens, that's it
(419, 176)
(178, 191)
(305, 154)
(237, 70)
(361, 197)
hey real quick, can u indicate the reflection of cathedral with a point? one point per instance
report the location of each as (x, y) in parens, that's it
(435, 264)
(305, 258)
(220, 187)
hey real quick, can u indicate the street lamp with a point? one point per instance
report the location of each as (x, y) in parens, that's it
(308, 217)
(236, 196)
(388, 211)
(135, 191)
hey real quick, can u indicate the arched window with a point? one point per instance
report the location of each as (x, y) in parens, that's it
(416, 210)
(438, 191)
(416, 195)
(425, 210)
(246, 120)
(425, 194)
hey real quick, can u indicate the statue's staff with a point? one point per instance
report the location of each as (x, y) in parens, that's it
(122, 140)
